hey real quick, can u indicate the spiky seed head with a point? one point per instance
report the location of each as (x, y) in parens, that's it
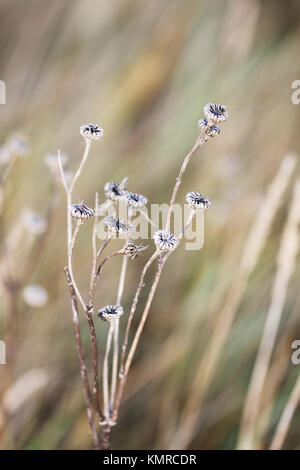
(132, 250)
(215, 112)
(110, 312)
(115, 226)
(114, 191)
(197, 201)
(202, 123)
(213, 130)
(136, 200)
(81, 211)
(91, 132)
(165, 241)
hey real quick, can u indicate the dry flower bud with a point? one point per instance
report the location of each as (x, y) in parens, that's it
(110, 312)
(81, 211)
(197, 201)
(165, 241)
(213, 130)
(91, 132)
(132, 250)
(115, 226)
(215, 112)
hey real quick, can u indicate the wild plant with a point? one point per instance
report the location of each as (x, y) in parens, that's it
(117, 360)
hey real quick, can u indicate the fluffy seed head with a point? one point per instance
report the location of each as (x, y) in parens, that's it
(197, 201)
(115, 226)
(132, 250)
(114, 191)
(136, 200)
(202, 123)
(34, 222)
(91, 132)
(35, 295)
(110, 312)
(81, 211)
(165, 241)
(215, 112)
(18, 145)
(213, 130)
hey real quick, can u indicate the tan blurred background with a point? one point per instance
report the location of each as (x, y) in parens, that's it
(143, 71)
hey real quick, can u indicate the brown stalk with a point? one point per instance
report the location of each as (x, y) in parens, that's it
(84, 376)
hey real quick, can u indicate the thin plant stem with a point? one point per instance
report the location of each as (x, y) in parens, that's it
(115, 362)
(133, 308)
(286, 417)
(96, 392)
(81, 165)
(136, 339)
(188, 223)
(70, 264)
(94, 251)
(88, 309)
(125, 366)
(89, 313)
(105, 373)
(102, 247)
(201, 139)
(108, 257)
(122, 280)
(106, 433)
(83, 370)
(132, 350)
(70, 237)
(116, 332)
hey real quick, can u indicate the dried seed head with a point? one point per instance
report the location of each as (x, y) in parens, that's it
(197, 201)
(18, 145)
(110, 312)
(34, 222)
(115, 226)
(114, 191)
(81, 211)
(35, 295)
(136, 200)
(91, 132)
(213, 130)
(165, 241)
(202, 123)
(215, 112)
(132, 250)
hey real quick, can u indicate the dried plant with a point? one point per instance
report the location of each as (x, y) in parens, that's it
(252, 250)
(114, 374)
(286, 264)
(23, 244)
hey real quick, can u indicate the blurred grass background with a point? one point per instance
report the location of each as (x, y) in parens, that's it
(143, 71)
